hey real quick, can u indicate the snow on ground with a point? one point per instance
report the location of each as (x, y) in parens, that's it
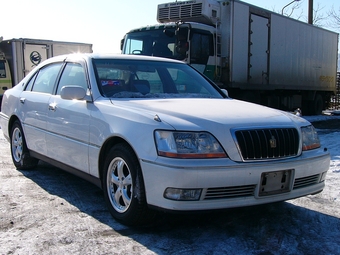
(48, 211)
(327, 115)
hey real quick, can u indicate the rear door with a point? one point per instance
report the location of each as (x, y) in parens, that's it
(33, 106)
(258, 49)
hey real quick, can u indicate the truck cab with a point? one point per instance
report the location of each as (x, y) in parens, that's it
(193, 43)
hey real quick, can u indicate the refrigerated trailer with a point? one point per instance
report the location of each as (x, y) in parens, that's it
(257, 55)
(19, 56)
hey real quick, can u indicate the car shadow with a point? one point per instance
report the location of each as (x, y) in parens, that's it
(279, 228)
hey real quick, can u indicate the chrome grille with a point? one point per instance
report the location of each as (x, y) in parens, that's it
(306, 181)
(230, 192)
(264, 144)
(179, 12)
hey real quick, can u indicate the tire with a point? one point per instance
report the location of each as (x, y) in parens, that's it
(123, 187)
(318, 105)
(19, 151)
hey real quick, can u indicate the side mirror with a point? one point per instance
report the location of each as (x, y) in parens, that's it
(72, 92)
(121, 44)
(225, 92)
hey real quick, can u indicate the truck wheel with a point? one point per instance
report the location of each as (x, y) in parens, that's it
(19, 151)
(123, 186)
(317, 105)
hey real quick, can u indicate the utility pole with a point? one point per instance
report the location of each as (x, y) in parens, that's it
(310, 11)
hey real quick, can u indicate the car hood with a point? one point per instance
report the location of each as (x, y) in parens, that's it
(204, 114)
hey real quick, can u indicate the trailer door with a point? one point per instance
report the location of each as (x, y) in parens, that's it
(258, 50)
(34, 54)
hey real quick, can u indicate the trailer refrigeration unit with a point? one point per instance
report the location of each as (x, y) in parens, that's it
(19, 56)
(257, 55)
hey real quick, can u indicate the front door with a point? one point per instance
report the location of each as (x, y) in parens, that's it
(68, 122)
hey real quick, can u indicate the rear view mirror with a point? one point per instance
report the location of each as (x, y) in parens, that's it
(182, 47)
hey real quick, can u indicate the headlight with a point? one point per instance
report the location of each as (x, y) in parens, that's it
(187, 145)
(310, 138)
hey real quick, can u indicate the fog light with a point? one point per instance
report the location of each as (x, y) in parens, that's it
(323, 176)
(182, 194)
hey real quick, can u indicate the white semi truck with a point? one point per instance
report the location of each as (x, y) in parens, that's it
(19, 56)
(256, 54)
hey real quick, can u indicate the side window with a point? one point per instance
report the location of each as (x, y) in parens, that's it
(30, 83)
(73, 74)
(134, 46)
(201, 48)
(46, 78)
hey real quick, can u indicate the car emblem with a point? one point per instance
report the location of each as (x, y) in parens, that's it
(272, 142)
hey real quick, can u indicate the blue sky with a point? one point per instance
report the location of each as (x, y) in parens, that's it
(102, 23)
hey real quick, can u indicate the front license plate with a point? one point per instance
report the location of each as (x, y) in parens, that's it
(275, 182)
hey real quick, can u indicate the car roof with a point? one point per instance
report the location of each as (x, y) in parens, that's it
(130, 57)
(89, 56)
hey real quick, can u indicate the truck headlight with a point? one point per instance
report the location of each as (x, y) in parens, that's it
(310, 138)
(175, 144)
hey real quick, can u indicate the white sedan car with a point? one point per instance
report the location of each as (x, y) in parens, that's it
(155, 134)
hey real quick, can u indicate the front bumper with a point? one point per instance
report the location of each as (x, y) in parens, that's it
(239, 184)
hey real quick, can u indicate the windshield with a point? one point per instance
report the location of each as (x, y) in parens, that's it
(160, 42)
(151, 79)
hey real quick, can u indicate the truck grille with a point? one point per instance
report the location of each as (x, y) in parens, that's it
(230, 192)
(264, 144)
(174, 13)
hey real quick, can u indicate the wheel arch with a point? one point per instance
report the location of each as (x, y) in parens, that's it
(108, 144)
(12, 119)
(138, 212)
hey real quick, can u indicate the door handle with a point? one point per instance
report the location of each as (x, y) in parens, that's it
(22, 100)
(52, 107)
